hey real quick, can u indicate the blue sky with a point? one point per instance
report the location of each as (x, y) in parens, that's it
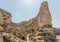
(26, 9)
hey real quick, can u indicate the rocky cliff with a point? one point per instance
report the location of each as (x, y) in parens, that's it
(41, 23)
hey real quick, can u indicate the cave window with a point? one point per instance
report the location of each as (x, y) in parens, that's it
(23, 38)
(32, 30)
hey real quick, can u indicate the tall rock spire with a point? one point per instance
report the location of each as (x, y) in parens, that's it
(44, 16)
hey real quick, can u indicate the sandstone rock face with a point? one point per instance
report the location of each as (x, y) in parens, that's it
(5, 17)
(39, 28)
(44, 16)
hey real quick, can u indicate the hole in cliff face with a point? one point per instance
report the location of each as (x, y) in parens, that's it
(32, 30)
(23, 38)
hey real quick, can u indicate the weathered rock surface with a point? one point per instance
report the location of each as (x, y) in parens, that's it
(44, 16)
(41, 23)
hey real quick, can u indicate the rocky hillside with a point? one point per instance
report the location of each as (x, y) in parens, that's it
(42, 21)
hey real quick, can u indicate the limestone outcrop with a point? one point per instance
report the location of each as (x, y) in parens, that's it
(44, 16)
(40, 28)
